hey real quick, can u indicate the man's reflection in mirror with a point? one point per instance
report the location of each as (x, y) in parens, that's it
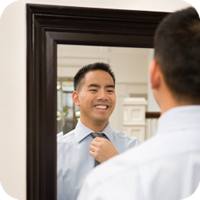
(79, 151)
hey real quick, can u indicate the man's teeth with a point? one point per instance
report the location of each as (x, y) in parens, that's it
(101, 107)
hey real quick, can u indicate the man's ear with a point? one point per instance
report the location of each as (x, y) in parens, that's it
(155, 74)
(75, 98)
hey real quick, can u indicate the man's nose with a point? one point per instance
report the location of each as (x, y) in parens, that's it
(102, 95)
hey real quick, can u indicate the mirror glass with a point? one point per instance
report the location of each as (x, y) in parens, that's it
(130, 66)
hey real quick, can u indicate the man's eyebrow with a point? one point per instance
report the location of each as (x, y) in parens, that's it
(94, 85)
(98, 86)
(110, 86)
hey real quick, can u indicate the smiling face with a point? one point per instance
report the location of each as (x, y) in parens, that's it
(96, 99)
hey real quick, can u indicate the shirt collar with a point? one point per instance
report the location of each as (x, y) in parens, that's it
(81, 131)
(179, 118)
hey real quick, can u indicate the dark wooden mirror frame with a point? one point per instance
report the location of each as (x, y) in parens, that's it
(48, 26)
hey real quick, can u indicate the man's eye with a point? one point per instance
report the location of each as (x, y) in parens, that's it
(110, 91)
(93, 90)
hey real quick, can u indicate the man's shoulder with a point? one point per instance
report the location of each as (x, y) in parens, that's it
(122, 136)
(68, 136)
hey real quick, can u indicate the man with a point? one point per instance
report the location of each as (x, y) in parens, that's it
(94, 93)
(166, 167)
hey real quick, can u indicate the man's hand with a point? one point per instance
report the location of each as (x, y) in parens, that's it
(102, 149)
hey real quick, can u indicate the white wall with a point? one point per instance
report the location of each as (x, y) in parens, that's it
(13, 101)
(13, 81)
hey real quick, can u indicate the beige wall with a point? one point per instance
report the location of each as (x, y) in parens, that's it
(13, 81)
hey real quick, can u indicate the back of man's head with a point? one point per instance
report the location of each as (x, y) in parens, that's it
(177, 51)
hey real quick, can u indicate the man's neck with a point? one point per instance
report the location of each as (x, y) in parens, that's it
(169, 101)
(95, 126)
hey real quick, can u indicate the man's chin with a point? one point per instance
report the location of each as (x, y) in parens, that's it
(101, 120)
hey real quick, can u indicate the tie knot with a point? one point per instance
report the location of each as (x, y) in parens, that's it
(97, 134)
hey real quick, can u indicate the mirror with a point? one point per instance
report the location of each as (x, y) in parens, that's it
(130, 66)
(48, 26)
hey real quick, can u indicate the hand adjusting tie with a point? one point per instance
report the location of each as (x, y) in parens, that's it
(94, 135)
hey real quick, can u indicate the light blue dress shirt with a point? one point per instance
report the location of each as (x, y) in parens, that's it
(74, 161)
(165, 167)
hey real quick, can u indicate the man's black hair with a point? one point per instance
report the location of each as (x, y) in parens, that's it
(177, 51)
(79, 77)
